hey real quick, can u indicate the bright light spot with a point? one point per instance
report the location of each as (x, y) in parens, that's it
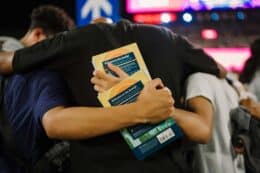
(209, 34)
(152, 18)
(165, 18)
(187, 17)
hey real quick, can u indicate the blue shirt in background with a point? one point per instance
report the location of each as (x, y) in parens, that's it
(27, 98)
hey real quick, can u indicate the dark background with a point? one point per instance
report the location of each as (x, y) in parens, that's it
(15, 18)
(15, 15)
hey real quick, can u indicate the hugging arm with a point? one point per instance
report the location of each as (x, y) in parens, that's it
(196, 123)
(252, 107)
(66, 46)
(196, 59)
(86, 122)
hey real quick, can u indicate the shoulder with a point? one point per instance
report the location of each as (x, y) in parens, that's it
(202, 77)
(157, 30)
(207, 83)
(36, 78)
(10, 43)
(202, 84)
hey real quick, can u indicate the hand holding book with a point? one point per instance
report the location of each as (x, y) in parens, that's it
(121, 77)
(103, 81)
(155, 101)
(156, 98)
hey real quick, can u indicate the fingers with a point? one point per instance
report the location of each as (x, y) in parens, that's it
(98, 88)
(156, 83)
(117, 70)
(171, 102)
(99, 81)
(99, 84)
(168, 90)
(161, 92)
(167, 95)
(100, 74)
(103, 81)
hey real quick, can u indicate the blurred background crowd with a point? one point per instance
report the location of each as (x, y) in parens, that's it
(223, 28)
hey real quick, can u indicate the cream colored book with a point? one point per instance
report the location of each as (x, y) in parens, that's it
(128, 58)
(129, 88)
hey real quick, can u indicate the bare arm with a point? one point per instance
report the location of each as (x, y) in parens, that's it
(87, 122)
(197, 125)
(83, 122)
(252, 107)
(6, 59)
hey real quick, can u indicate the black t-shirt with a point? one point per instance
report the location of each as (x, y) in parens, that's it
(167, 55)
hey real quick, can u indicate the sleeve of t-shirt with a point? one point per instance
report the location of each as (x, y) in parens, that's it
(53, 93)
(198, 85)
(196, 60)
(64, 46)
(39, 53)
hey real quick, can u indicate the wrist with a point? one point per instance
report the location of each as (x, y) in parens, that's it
(175, 114)
(140, 112)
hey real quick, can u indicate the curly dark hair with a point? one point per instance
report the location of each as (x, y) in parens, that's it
(252, 64)
(51, 19)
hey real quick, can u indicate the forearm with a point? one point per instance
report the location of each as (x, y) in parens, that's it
(85, 122)
(252, 107)
(152, 106)
(41, 53)
(6, 59)
(193, 126)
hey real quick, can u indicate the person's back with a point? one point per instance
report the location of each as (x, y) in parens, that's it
(26, 98)
(218, 155)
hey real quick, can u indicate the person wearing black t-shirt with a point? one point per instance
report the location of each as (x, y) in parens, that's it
(166, 54)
